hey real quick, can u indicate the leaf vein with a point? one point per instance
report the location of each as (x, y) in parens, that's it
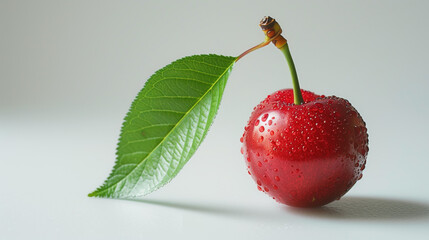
(106, 187)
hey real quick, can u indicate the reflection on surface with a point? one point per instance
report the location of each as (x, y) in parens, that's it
(367, 208)
(348, 208)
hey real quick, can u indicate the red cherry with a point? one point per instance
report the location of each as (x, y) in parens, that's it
(305, 155)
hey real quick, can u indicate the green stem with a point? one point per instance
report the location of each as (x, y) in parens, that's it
(297, 96)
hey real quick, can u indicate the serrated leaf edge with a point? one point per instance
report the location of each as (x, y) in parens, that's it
(101, 189)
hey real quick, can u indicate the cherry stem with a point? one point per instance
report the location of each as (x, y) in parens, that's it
(297, 96)
(273, 31)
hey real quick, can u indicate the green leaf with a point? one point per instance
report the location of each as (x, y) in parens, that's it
(166, 124)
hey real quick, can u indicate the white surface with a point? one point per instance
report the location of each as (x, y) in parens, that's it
(69, 71)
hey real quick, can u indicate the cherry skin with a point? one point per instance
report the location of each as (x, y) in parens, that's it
(305, 155)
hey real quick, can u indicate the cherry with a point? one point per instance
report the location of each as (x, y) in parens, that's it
(305, 155)
(303, 149)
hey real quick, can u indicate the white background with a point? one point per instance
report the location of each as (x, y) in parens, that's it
(70, 69)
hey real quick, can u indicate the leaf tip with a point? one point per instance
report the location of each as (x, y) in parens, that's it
(93, 194)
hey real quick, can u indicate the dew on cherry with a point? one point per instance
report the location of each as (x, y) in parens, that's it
(261, 129)
(337, 114)
(265, 117)
(257, 122)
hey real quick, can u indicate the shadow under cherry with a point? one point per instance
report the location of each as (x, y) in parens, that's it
(348, 208)
(367, 208)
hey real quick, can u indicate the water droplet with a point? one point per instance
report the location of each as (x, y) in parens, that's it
(264, 118)
(258, 154)
(278, 142)
(362, 151)
(293, 193)
(248, 159)
(241, 139)
(313, 108)
(259, 164)
(271, 132)
(270, 122)
(266, 189)
(265, 160)
(360, 176)
(275, 170)
(259, 188)
(241, 150)
(275, 187)
(257, 122)
(258, 182)
(277, 178)
(249, 172)
(337, 114)
(261, 138)
(261, 129)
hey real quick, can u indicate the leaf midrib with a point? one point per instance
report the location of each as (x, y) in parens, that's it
(168, 134)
